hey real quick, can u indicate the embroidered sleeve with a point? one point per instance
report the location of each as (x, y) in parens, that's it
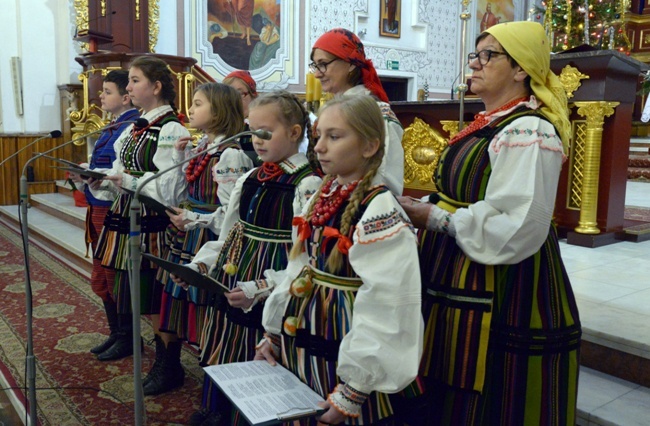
(385, 257)
(526, 131)
(382, 224)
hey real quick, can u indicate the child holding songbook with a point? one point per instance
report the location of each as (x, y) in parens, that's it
(216, 110)
(255, 236)
(116, 101)
(345, 314)
(141, 152)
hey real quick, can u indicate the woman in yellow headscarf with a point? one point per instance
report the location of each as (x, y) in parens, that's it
(503, 332)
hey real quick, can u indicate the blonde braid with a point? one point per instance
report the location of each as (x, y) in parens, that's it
(335, 259)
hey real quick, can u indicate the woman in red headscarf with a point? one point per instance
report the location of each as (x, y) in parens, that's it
(339, 62)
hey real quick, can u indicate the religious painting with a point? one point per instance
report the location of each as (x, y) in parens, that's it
(261, 36)
(390, 18)
(492, 12)
(245, 33)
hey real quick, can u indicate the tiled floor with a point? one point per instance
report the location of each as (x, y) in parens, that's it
(612, 287)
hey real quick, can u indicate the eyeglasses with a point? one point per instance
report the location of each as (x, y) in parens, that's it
(483, 56)
(321, 67)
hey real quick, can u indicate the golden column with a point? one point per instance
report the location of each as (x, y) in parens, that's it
(595, 113)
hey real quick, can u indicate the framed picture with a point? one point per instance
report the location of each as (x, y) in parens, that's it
(390, 18)
(492, 12)
(260, 36)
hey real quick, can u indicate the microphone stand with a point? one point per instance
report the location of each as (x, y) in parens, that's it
(462, 87)
(135, 213)
(30, 360)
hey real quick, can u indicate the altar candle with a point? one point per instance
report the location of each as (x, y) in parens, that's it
(318, 90)
(309, 94)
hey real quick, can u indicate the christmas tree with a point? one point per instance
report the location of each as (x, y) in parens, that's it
(597, 23)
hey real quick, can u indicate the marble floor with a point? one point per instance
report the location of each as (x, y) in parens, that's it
(612, 287)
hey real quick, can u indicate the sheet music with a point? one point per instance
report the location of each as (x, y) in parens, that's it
(265, 394)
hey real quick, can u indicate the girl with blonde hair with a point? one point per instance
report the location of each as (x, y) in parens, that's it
(344, 311)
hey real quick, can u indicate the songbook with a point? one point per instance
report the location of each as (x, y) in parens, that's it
(73, 167)
(152, 203)
(84, 173)
(189, 275)
(61, 160)
(265, 394)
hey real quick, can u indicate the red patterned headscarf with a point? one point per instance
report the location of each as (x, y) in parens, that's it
(246, 77)
(346, 45)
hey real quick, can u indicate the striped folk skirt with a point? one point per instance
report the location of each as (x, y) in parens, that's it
(501, 342)
(113, 252)
(182, 312)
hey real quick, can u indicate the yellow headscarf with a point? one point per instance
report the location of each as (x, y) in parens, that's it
(526, 43)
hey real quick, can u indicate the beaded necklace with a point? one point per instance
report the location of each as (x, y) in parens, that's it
(330, 201)
(481, 120)
(190, 174)
(269, 171)
(136, 133)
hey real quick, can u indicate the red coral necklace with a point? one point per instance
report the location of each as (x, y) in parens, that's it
(330, 201)
(480, 120)
(269, 171)
(190, 174)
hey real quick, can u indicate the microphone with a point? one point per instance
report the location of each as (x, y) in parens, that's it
(452, 85)
(53, 134)
(136, 256)
(262, 134)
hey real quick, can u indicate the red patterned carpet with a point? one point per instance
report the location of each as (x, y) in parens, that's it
(639, 214)
(68, 320)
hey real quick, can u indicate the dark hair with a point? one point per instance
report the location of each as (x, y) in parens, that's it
(226, 108)
(120, 78)
(512, 61)
(155, 69)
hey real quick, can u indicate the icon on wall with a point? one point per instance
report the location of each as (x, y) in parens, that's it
(390, 18)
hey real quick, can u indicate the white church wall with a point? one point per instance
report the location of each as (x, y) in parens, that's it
(426, 50)
(170, 22)
(38, 33)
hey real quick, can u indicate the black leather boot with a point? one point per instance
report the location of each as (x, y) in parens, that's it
(111, 315)
(123, 345)
(171, 374)
(157, 363)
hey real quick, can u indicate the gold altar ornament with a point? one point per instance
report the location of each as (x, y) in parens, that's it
(570, 79)
(422, 148)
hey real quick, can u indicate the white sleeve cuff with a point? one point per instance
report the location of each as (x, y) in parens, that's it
(440, 220)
